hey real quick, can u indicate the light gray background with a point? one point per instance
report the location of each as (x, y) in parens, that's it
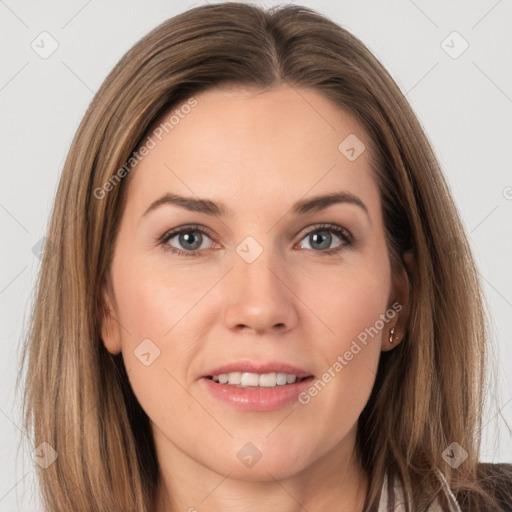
(464, 104)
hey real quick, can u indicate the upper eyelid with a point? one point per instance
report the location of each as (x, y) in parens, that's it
(338, 230)
(171, 233)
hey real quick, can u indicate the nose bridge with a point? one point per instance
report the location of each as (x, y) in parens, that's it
(257, 297)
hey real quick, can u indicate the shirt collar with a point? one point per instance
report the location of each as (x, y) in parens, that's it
(393, 497)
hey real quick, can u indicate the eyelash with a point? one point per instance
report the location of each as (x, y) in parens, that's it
(342, 233)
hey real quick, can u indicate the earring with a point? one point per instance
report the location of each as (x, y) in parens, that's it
(391, 333)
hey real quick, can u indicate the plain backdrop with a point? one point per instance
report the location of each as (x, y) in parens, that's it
(462, 96)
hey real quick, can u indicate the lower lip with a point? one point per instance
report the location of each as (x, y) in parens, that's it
(257, 399)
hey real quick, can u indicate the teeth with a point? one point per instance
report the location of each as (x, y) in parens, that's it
(267, 380)
(234, 378)
(281, 379)
(250, 379)
(290, 379)
(264, 380)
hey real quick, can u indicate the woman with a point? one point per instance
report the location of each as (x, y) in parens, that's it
(260, 293)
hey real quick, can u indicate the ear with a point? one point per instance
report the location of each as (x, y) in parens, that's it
(399, 303)
(110, 330)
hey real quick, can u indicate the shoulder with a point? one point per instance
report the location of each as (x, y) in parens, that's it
(496, 479)
(502, 470)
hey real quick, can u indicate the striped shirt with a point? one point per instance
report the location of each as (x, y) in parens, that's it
(392, 498)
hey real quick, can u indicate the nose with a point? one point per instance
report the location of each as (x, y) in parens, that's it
(259, 296)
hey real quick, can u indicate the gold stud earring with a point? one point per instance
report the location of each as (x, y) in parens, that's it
(391, 333)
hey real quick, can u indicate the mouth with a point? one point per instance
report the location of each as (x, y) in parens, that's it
(249, 380)
(250, 386)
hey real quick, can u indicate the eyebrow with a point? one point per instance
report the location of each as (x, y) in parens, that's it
(301, 207)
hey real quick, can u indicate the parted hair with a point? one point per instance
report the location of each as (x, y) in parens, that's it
(428, 391)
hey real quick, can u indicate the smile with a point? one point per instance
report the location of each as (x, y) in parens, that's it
(250, 380)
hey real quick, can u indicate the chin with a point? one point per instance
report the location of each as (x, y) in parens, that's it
(261, 462)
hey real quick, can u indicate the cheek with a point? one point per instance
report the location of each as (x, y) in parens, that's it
(155, 349)
(346, 299)
(163, 315)
(351, 304)
(152, 301)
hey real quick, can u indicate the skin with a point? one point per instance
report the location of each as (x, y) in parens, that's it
(258, 152)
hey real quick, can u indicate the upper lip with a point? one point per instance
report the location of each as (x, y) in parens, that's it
(246, 366)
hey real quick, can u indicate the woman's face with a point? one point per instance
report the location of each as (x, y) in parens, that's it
(279, 286)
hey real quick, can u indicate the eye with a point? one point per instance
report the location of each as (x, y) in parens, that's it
(193, 239)
(190, 240)
(321, 238)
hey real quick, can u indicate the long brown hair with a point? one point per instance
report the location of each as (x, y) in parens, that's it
(428, 391)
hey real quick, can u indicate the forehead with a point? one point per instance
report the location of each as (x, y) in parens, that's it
(253, 148)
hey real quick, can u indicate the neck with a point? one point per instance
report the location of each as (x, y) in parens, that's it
(333, 482)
